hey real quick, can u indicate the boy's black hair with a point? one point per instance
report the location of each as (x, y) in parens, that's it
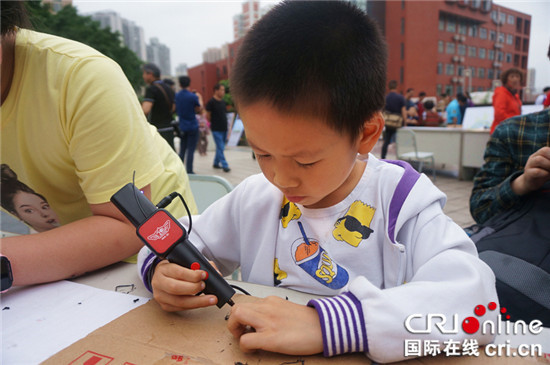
(217, 86)
(392, 85)
(13, 14)
(321, 58)
(185, 81)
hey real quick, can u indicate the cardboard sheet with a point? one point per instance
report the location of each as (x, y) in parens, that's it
(149, 335)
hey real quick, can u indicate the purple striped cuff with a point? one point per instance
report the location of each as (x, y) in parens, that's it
(342, 323)
(146, 274)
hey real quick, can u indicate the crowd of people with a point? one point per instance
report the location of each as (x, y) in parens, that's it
(366, 235)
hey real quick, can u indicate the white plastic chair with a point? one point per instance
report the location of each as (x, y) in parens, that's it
(406, 149)
(207, 189)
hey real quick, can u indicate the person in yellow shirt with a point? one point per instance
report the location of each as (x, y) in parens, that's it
(72, 129)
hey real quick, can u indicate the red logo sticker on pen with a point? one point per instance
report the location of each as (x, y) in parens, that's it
(160, 232)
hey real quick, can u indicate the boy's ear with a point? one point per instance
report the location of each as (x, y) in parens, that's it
(371, 133)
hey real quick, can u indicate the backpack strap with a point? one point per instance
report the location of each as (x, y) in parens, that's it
(404, 187)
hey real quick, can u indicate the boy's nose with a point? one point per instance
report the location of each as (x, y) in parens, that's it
(285, 180)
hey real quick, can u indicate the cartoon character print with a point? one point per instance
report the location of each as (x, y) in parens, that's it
(278, 274)
(289, 211)
(354, 226)
(314, 260)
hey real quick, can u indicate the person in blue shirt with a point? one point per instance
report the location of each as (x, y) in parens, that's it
(454, 116)
(188, 104)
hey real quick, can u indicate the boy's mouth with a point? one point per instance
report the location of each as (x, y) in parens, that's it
(294, 199)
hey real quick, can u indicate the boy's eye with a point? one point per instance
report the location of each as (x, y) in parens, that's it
(259, 156)
(305, 164)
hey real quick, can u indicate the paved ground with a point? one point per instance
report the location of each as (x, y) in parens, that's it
(243, 165)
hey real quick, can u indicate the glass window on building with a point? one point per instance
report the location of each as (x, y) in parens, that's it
(440, 46)
(438, 89)
(449, 90)
(449, 69)
(500, 56)
(460, 70)
(523, 61)
(497, 74)
(451, 25)
(511, 19)
(473, 30)
(481, 72)
(516, 60)
(472, 51)
(500, 37)
(519, 24)
(490, 73)
(473, 71)
(526, 27)
(491, 55)
(509, 57)
(502, 18)
(525, 44)
(461, 49)
(462, 28)
(483, 33)
(492, 35)
(450, 48)
(509, 39)
(481, 53)
(459, 89)
(440, 68)
(494, 16)
(441, 23)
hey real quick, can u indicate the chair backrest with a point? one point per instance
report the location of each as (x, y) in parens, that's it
(405, 141)
(207, 189)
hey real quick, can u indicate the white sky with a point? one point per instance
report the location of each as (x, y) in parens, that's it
(189, 27)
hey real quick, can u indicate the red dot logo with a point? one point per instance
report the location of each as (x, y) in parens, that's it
(479, 310)
(470, 325)
(492, 306)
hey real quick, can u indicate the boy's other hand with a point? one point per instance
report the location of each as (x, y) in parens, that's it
(175, 287)
(277, 325)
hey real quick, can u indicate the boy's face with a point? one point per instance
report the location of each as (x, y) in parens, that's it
(302, 156)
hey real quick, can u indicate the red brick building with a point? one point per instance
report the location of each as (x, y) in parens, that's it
(206, 75)
(434, 46)
(453, 45)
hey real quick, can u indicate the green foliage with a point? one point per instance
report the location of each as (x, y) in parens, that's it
(68, 24)
(227, 97)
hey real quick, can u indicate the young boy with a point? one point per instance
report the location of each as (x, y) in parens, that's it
(309, 81)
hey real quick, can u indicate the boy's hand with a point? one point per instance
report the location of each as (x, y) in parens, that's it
(175, 287)
(277, 325)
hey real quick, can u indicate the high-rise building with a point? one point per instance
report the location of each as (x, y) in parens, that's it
(181, 69)
(252, 12)
(159, 54)
(57, 5)
(132, 35)
(451, 46)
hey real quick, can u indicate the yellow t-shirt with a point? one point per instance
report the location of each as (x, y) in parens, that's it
(72, 130)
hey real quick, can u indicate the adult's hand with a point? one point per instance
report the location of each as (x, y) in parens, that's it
(536, 173)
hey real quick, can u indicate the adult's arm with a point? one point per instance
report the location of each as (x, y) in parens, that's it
(73, 249)
(492, 192)
(147, 106)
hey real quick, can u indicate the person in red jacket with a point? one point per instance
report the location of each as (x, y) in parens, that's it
(506, 101)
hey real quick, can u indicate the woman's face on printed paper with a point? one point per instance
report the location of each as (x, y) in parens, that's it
(35, 211)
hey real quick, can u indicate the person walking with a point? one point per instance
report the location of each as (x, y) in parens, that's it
(216, 114)
(158, 104)
(187, 105)
(395, 104)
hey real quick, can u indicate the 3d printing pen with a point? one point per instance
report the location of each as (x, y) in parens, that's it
(167, 238)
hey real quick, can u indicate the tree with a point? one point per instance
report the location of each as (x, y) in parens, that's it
(227, 97)
(68, 24)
